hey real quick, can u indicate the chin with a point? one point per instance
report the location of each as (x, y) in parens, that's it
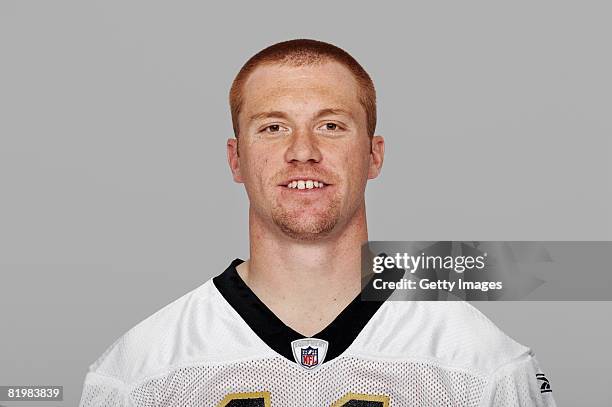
(306, 235)
(306, 231)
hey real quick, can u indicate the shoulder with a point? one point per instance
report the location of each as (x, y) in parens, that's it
(199, 326)
(450, 333)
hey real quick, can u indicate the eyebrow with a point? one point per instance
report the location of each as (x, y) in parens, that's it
(265, 115)
(333, 111)
(283, 115)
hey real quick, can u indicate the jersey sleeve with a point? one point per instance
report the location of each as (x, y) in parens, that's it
(520, 383)
(104, 391)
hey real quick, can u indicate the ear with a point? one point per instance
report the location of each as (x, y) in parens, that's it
(233, 159)
(377, 155)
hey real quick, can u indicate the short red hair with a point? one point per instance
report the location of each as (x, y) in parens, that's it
(301, 52)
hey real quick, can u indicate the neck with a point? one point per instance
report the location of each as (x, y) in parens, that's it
(306, 284)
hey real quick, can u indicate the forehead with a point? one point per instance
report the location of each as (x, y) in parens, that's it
(282, 87)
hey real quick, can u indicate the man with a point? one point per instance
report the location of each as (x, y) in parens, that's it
(287, 326)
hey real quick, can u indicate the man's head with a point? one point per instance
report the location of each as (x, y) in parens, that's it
(303, 111)
(298, 53)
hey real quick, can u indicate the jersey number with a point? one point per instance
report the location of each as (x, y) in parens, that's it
(262, 399)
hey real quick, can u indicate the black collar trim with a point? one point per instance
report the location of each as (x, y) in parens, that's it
(340, 333)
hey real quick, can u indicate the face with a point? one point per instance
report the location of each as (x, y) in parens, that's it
(303, 151)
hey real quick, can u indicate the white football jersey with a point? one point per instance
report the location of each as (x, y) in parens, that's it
(219, 345)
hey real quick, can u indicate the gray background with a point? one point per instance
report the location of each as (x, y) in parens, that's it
(116, 197)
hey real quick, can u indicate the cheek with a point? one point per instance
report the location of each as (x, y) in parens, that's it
(356, 160)
(357, 167)
(258, 170)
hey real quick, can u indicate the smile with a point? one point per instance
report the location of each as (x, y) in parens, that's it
(305, 184)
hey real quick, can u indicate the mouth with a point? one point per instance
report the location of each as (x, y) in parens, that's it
(304, 184)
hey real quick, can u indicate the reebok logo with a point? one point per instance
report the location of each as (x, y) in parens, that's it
(545, 385)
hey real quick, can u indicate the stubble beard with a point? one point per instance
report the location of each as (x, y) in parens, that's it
(299, 226)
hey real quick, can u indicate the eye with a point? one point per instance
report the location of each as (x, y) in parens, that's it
(273, 128)
(331, 126)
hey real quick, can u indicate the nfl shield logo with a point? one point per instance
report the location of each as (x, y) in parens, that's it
(309, 353)
(310, 356)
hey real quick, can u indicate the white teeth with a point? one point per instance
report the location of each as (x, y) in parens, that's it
(305, 184)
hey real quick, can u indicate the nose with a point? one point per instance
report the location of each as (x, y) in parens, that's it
(303, 147)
